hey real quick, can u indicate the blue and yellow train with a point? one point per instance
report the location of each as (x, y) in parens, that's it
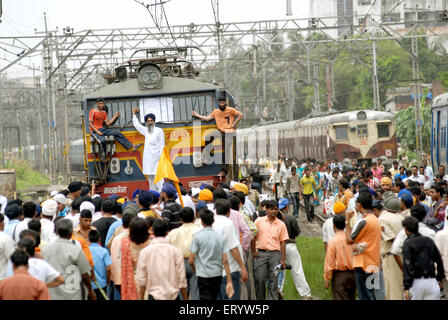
(163, 84)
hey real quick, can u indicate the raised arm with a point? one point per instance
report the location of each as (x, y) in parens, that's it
(203, 118)
(238, 119)
(136, 123)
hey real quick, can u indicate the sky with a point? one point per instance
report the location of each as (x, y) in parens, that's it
(25, 17)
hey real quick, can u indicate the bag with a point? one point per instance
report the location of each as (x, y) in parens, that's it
(328, 206)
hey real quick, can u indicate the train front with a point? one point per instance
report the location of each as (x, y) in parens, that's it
(166, 88)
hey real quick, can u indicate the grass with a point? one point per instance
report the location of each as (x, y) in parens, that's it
(312, 253)
(25, 176)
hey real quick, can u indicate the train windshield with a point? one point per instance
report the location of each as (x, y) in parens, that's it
(341, 132)
(383, 130)
(170, 109)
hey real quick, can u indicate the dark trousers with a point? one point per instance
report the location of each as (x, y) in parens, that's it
(295, 198)
(309, 207)
(98, 294)
(343, 285)
(209, 287)
(236, 281)
(362, 278)
(117, 135)
(276, 190)
(264, 270)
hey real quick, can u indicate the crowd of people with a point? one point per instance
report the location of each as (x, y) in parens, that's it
(385, 237)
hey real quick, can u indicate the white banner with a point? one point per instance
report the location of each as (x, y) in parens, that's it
(161, 107)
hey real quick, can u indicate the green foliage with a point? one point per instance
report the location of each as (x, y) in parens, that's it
(312, 253)
(25, 175)
(405, 128)
(352, 70)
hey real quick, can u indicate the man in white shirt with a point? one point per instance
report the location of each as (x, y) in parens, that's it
(428, 170)
(416, 176)
(29, 212)
(3, 203)
(419, 212)
(154, 144)
(225, 227)
(49, 210)
(186, 199)
(6, 248)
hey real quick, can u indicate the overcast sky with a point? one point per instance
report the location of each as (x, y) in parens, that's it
(23, 17)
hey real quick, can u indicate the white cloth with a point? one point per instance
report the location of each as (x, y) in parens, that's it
(73, 218)
(442, 244)
(225, 227)
(327, 230)
(425, 289)
(397, 246)
(22, 225)
(155, 186)
(3, 202)
(6, 249)
(39, 269)
(47, 230)
(249, 206)
(292, 257)
(96, 216)
(420, 178)
(429, 173)
(154, 144)
(211, 206)
(187, 202)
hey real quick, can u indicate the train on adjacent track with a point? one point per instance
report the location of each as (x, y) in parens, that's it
(439, 124)
(360, 135)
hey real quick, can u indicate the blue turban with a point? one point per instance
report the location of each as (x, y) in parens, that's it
(136, 192)
(200, 205)
(170, 190)
(150, 115)
(145, 198)
(155, 195)
(114, 197)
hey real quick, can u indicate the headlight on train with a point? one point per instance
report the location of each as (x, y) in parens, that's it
(149, 77)
(197, 159)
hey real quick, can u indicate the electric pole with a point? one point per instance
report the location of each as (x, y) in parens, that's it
(417, 106)
(316, 88)
(376, 91)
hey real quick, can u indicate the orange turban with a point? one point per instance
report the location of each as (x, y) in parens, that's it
(338, 207)
(205, 195)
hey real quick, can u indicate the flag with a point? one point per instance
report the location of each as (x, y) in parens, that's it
(165, 169)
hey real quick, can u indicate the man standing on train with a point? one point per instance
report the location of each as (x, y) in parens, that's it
(226, 120)
(97, 119)
(154, 144)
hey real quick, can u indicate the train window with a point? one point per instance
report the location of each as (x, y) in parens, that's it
(362, 130)
(383, 130)
(341, 132)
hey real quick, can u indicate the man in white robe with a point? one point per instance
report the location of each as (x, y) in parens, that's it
(154, 144)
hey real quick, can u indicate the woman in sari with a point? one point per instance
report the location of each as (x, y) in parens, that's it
(138, 239)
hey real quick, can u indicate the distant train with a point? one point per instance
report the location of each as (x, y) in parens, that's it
(439, 123)
(361, 135)
(76, 154)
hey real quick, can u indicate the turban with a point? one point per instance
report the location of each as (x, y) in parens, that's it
(60, 198)
(53, 193)
(205, 195)
(150, 115)
(195, 191)
(136, 192)
(170, 190)
(200, 205)
(49, 208)
(145, 198)
(87, 205)
(113, 197)
(386, 180)
(121, 200)
(75, 186)
(12, 210)
(155, 193)
(241, 187)
(338, 207)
